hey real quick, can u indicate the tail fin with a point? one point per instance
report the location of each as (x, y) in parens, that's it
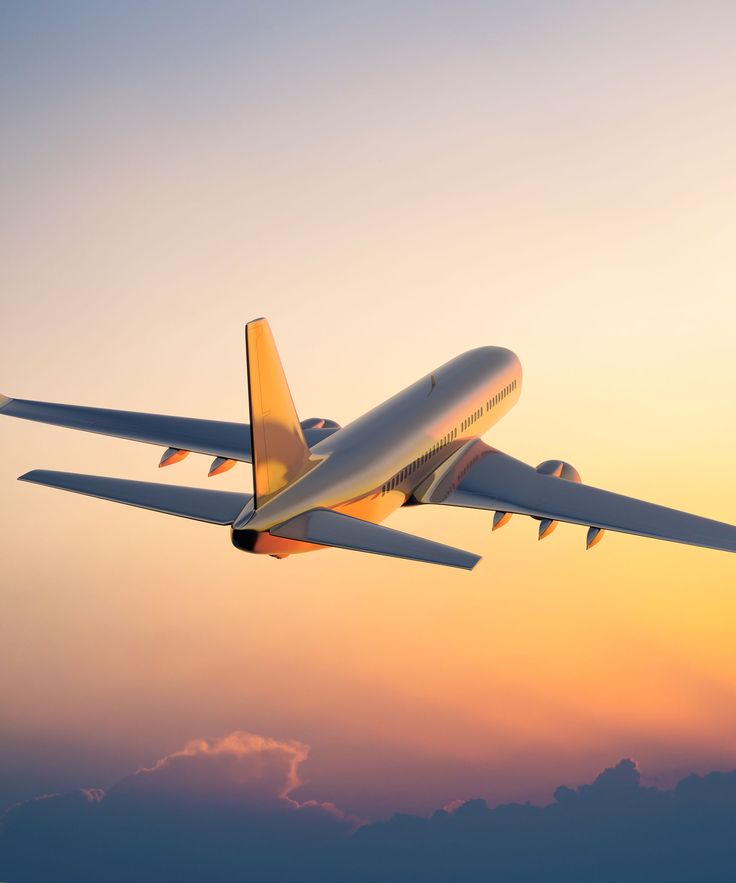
(280, 453)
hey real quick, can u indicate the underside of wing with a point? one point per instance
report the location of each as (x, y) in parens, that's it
(482, 477)
(215, 507)
(328, 528)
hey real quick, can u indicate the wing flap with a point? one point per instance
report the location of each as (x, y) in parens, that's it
(484, 478)
(215, 507)
(328, 528)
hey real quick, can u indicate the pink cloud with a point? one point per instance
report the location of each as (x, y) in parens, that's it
(241, 768)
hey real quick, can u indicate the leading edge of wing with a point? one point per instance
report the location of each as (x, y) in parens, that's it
(326, 527)
(214, 507)
(485, 478)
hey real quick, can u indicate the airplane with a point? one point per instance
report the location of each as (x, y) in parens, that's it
(317, 484)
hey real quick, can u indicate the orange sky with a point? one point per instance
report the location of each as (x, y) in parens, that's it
(389, 190)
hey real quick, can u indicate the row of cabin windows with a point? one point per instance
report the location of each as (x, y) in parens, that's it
(396, 480)
(491, 403)
(507, 390)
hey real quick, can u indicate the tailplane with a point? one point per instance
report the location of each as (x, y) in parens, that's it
(325, 527)
(280, 453)
(215, 507)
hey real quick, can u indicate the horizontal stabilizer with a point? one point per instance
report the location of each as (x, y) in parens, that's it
(215, 507)
(328, 528)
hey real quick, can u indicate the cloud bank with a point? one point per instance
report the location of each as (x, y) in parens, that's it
(212, 811)
(221, 810)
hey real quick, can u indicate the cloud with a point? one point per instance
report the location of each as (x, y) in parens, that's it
(222, 810)
(610, 830)
(241, 768)
(203, 813)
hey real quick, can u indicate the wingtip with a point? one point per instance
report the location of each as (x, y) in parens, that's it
(30, 476)
(472, 561)
(4, 401)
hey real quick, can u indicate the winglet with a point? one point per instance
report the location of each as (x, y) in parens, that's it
(4, 401)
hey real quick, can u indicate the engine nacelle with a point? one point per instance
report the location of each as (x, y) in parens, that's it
(319, 423)
(560, 469)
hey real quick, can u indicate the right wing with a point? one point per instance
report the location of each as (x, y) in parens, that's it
(481, 477)
(215, 507)
(231, 441)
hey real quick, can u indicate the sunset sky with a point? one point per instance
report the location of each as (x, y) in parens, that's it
(391, 184)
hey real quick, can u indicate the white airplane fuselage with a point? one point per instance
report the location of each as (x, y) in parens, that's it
(371, 467)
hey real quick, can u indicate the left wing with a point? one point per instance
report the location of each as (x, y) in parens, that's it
(218, 439)
(480, 477)
(229, 441)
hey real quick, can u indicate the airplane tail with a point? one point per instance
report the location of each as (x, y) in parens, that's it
(280, 453)
(325, 527)
(215, 507)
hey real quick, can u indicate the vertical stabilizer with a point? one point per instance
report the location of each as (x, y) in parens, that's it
(280, 454)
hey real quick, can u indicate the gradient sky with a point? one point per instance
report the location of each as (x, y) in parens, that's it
(390, 184)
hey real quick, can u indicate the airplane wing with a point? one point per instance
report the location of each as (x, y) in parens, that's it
(218, 439)
(481, 477)
(215, 507)
(230, 441)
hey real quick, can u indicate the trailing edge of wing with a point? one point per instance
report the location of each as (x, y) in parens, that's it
(484, 478)
(215, 507)
(328, 528)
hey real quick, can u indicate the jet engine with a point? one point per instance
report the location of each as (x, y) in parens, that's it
(558, 469)
(319, 423)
